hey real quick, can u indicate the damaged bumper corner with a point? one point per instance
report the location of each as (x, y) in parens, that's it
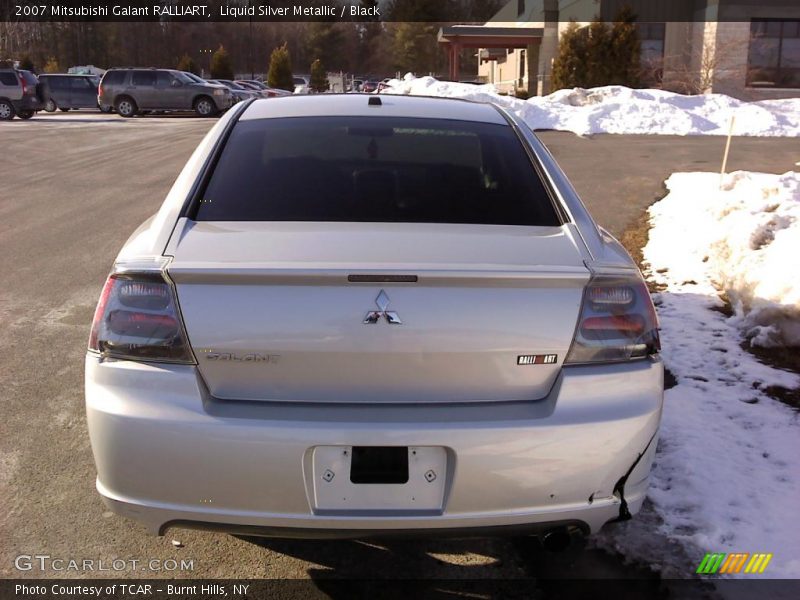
(631, 488)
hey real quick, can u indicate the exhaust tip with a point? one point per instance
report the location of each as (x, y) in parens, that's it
(557, 540)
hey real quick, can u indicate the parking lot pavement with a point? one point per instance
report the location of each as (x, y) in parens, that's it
(618, 176)
(74, 186)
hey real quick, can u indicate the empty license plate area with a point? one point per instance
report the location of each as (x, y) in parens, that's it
(379, 478)
(379, 464)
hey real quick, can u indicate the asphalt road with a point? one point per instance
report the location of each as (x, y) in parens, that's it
(73, 187)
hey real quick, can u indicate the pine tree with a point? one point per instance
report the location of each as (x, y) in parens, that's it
(324, 41)
(569, 67)
(598, 55)
(319, 77)
(187, 64)
(280, 69)
(415, 48)
(625, 50)
(221, 67)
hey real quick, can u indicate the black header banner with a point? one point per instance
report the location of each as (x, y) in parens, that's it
(433, 11)
(188, 11)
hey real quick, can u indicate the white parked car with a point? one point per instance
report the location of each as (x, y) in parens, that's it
(302, 84)
(429, 335)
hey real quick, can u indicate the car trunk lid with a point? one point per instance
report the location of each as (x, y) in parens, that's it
(281, 311)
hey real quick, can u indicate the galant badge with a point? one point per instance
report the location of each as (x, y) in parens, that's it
(374, 316)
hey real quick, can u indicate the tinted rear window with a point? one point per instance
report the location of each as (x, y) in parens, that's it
(375, 169)
(114, 77)
(9, 78)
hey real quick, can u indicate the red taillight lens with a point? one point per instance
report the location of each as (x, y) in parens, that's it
(137, 319)
(23, 84)
(145, 325)
(617, 321)
(595, 327)
(100, 311)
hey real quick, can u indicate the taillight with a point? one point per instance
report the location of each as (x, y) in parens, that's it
(617, 321)
(23, 84)
(137, 319)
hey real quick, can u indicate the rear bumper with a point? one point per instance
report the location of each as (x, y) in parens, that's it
(169, 454)
(28, 103)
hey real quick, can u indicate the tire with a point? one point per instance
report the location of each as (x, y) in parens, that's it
(50, 106)
(7, 111)
(126, 107)
(205, 107)
(25, 114)
(64, 109)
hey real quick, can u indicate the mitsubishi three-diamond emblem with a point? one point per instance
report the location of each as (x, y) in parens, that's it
(382, 302)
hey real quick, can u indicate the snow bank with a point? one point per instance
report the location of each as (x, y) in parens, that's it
(726, 477)
(618, 109)
(743, 240)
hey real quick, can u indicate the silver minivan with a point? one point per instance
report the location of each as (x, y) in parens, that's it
(132, 91)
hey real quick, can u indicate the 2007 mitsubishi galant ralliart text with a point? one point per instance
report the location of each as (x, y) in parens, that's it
(366, 315)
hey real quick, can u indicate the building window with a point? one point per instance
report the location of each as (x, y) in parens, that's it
(520, 7)
(651, 38)
(774, 56)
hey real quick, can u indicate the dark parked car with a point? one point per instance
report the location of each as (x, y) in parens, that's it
(131, 91)
(72, 91)
(21, 94)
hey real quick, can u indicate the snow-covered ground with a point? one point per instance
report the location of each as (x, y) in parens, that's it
(743, 239)
(618, 109)
(727, 476)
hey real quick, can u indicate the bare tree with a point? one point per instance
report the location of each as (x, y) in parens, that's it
(708, 59)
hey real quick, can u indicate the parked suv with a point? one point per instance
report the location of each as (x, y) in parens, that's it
(130, 91)
(72, 91)
(21, 94)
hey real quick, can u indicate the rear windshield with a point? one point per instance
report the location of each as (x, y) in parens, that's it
(375, 169)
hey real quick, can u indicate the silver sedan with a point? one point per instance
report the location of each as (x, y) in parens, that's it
(364, 315)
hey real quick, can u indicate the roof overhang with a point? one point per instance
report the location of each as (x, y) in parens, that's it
(481, 36)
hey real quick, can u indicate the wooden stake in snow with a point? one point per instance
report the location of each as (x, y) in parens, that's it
(727, 149)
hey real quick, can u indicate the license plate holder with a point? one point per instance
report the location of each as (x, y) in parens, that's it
(379, 478)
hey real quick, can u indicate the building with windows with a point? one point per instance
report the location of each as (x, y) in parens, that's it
(749, 49)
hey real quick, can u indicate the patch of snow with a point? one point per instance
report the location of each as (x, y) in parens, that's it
(619, 109)
(726, 477)
(743, 240)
